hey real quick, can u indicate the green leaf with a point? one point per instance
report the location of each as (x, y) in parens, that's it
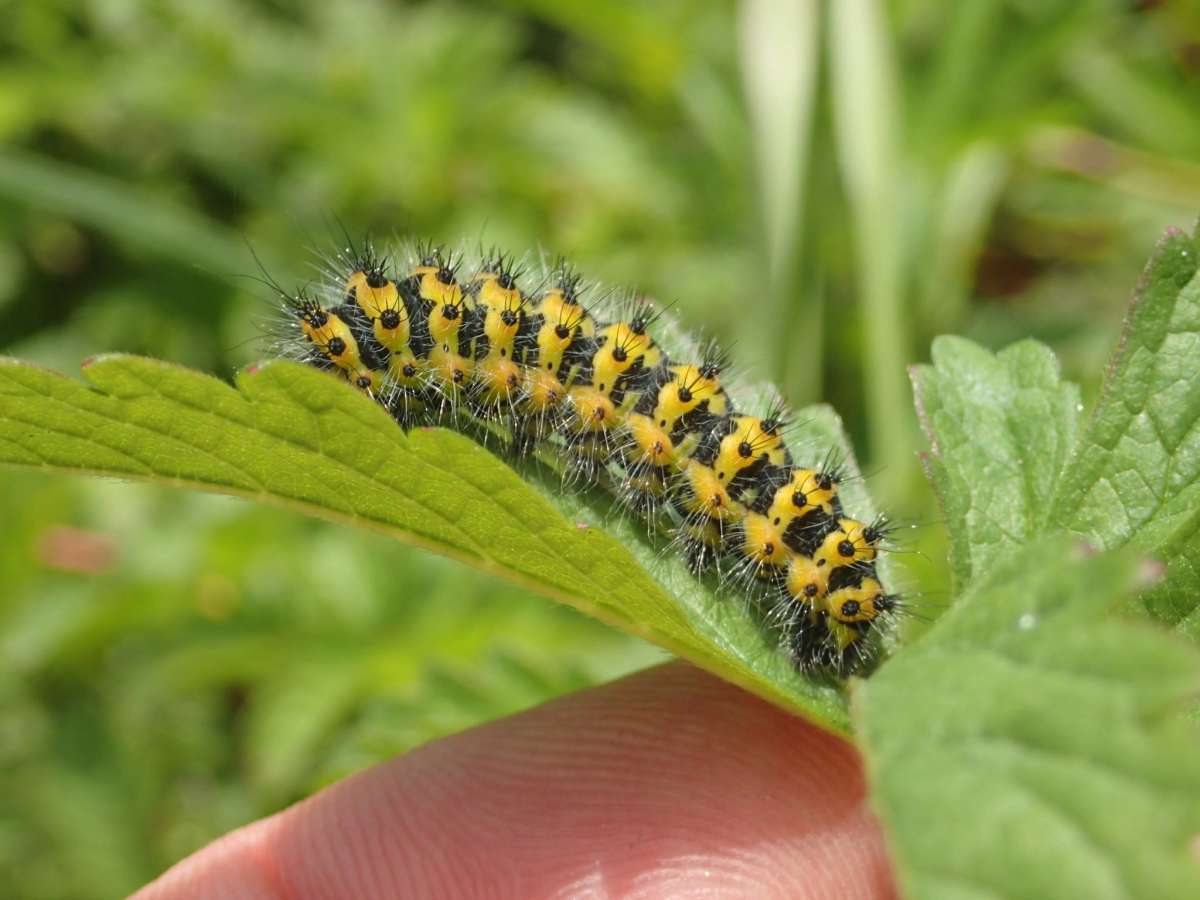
(1136, 474)
(1029, 745)
(1000, 427)
(1008, 467)
(119, 209)
(293, 436)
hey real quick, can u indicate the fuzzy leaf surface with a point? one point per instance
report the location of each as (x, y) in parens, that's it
(290, 435)
(1030, 746)
(1001, 428)
(1135, 476)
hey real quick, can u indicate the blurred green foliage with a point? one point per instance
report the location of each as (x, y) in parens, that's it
(827, 185)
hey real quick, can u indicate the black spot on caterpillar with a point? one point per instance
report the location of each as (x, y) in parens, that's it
(539, 358)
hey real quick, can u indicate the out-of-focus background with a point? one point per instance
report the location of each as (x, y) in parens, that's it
(828, 184)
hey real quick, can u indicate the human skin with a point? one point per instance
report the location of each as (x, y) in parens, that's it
(668, 783)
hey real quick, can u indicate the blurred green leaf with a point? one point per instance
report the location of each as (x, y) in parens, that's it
(83, 807)
(112, 206)
(964, 210)
(1140, 104)
(1050, 727)
(292, 711)
(296, 437)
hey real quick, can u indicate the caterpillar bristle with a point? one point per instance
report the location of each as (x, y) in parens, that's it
(533, 360)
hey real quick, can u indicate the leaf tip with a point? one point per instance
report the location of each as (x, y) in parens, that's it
(1175, 244)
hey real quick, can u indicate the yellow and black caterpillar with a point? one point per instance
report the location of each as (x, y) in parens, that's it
(490, 347)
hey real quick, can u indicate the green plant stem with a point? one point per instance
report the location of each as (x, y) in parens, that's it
(865, 124)
(778, 57)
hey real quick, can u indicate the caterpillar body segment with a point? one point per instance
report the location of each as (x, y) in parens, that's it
(490, 346)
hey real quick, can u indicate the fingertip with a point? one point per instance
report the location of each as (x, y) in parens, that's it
(238, 866)
(668, 783)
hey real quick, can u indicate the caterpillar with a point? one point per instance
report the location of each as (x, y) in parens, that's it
(552, 365)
